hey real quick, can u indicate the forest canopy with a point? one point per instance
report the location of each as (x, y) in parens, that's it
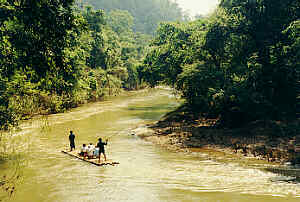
(147, 13)
(240, 64)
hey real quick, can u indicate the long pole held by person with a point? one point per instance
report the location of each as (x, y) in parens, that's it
(116, 133)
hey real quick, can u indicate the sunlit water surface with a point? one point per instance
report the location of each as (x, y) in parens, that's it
(146, 172)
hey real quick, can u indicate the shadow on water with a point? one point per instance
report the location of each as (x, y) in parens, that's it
(151, 112)
(286, 174)
(151, 108)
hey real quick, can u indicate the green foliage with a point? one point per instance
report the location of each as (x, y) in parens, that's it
(116, 49)
(172, 50)
(291, 50)
(40, 42)
(147, 13)
(53, 57)
(120, 21)
(6, 115)
(240, 64)
(133, 77)
(39, 52)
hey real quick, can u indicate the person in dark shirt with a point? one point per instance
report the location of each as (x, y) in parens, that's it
(72, 140)
(100, 145)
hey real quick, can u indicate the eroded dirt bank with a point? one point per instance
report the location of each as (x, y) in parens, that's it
(269, 140)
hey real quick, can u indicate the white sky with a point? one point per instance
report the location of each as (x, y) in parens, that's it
(197, 6)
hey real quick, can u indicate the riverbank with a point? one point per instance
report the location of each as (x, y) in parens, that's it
(29, 106)
(277, 142)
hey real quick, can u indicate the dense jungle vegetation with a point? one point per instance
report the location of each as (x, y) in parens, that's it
(55, 55)
(240, 64)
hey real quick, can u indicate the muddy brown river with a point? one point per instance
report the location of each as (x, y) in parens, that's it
(146, 172)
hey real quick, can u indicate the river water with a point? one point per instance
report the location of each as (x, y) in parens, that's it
(146, 172)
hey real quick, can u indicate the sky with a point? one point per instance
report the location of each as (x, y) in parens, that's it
(194, 7)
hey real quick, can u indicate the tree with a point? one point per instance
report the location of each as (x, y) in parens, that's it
(39, 49)
(42, 33)
(147, 13)
(240, 64)
(120, 21)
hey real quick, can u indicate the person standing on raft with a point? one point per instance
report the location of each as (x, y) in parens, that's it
(100, 145)
(72, 140)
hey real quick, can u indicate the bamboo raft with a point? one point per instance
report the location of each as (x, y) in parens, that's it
(93, 161)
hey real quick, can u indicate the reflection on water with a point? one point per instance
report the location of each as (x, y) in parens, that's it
(146, 171)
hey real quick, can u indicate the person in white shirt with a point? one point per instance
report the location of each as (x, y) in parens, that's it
(90, 151)
(83, 151)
